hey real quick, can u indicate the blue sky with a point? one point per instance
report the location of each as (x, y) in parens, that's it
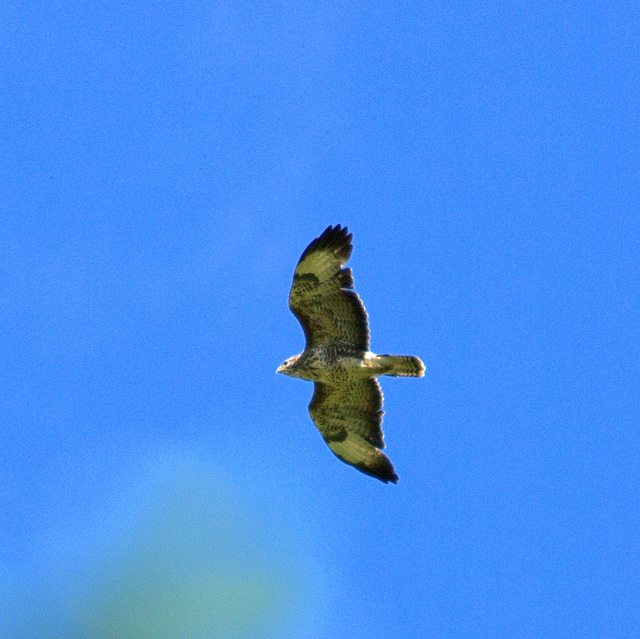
(165, 164)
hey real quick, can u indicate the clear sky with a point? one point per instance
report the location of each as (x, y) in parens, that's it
(164, 164)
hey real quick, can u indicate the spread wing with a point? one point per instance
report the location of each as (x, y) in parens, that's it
(322, 297)
(348, 414)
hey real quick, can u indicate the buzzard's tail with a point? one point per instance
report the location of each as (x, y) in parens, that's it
(403, 365)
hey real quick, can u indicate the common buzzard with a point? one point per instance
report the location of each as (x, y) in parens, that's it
(347, 400)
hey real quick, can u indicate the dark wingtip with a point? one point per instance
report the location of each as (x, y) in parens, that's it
(336, 238)
(338, 228)
(382, 469)
(389, 479)
(335, 235)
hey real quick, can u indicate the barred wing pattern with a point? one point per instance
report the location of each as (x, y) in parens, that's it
(322, 295)
(349, 417)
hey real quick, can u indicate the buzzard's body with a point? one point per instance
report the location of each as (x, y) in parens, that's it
(347, 402)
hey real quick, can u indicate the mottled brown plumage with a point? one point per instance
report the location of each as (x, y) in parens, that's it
(347, 401)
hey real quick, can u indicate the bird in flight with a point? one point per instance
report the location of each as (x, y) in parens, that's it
(347, 401)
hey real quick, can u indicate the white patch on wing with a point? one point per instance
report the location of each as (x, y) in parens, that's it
(320, 265)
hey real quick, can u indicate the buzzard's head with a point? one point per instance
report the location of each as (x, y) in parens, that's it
(289, 365)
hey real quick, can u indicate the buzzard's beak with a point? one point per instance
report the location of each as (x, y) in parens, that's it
(279, 369)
